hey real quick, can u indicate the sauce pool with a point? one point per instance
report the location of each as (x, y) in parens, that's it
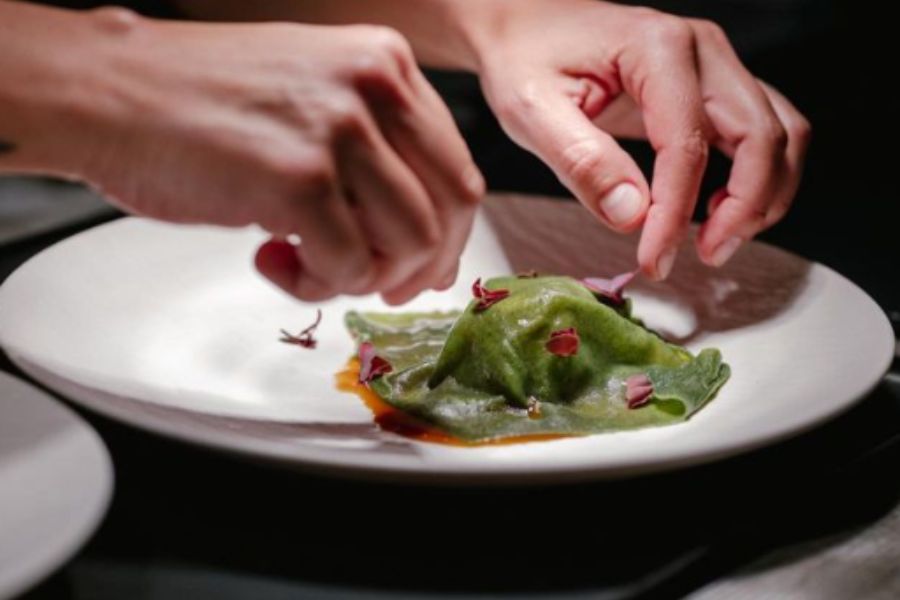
(396, 421)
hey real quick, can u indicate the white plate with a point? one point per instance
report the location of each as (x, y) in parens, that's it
(55, 484)
(169, 328)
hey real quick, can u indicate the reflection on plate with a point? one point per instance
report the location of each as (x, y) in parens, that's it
(55, 484)
(170, 329)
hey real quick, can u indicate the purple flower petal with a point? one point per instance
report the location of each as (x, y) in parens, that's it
(305, 338)
(487, 298)
(370, 364)
(638, 390)
(564, 342)
(611, 289)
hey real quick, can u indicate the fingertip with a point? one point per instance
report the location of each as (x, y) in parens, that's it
(449, 279)
(657, 267)
(278, 262)
(474, 184)
(397, 298)
(724, 251)
(715, 200)
(665, 263)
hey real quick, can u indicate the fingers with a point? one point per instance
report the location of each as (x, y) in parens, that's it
(279, 262)
(419, 128)
(395, 212)
(764, 135)
(333, 257)
(586, 160)
(408, 187)
(427, 139)
(799, 133)
(665, 84)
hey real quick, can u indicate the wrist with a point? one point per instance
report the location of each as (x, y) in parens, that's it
(56, 102)
(473, 29)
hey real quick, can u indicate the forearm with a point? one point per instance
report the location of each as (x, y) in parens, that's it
(443, 33)
(51, 90)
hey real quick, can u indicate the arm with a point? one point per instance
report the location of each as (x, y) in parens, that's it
(566, 76)
(442, 32)
(45, 107)
(331, 133)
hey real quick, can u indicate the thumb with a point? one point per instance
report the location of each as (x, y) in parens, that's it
(587, 160)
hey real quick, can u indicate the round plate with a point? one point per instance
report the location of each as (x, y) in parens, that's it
(169, 328)
(56, 478)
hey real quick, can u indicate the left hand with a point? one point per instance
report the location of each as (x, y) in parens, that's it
(565, 76)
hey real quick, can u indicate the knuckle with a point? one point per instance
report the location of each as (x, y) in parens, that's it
(517, 104)
(694, 146)
(392, 44)
(669, 31)
(116, 19)
(676, 215)
(710, 30)
(773, 135)
(346, 119)
(383, 50)
(305, 178)
(584, 161)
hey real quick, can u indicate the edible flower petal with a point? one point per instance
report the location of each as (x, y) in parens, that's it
(486, 298)
(563, 342)
(638, 390)
(305, 338)
(370, 364)
(610, 289)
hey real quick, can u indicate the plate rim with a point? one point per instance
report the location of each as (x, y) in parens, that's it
(34, 570)
(453, 474)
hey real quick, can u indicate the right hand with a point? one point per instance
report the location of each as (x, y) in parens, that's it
(331, 133)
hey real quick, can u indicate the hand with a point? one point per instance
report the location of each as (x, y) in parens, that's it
(331, 133)
(565, 76)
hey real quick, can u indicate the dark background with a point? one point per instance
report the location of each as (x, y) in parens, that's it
(832, 60)
(190, 524)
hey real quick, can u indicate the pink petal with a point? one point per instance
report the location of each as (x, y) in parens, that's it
(564, 342)
(487, 298)
(370, 364)
(304, 338)
(638, 390)
(610, 288)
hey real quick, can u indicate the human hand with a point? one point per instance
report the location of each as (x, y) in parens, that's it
(331, 133)
(566, 76)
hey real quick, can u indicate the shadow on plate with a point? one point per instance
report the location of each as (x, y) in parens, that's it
(552, 236)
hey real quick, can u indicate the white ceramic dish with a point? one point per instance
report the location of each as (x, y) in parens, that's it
(55, 484)
(170, 329)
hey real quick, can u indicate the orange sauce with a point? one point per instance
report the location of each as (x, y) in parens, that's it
(396, 421)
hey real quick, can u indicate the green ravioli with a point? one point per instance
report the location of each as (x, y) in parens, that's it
(475, 373)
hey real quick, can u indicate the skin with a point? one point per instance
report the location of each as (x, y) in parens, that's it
(330, 131)
(566, 77)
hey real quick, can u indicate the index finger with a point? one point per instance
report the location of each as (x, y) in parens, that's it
(666, 86)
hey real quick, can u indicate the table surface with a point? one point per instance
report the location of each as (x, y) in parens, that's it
(186, 522)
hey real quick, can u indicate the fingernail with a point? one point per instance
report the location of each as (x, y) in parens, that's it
(474, 182)
(621, 204)
(726, 250)
(715, 200)
(665, 262)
